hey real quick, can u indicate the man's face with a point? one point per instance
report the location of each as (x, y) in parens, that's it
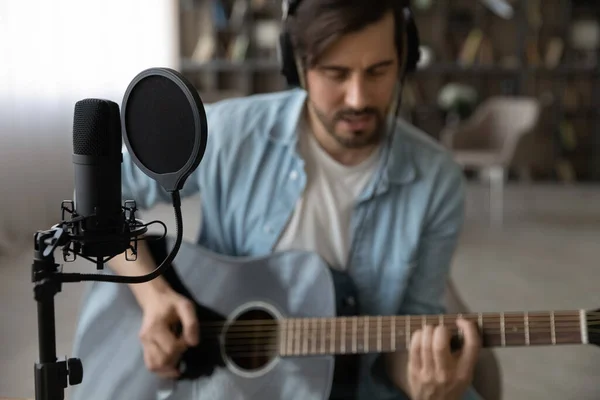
(351, 86)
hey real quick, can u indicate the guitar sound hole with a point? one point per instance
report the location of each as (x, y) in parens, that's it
(251, 340)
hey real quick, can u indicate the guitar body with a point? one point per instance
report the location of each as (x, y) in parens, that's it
(284, 285)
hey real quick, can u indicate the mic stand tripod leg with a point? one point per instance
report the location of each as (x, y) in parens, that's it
(51, 376)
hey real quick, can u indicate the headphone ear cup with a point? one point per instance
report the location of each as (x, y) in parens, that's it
(287, 60)
(413, 53)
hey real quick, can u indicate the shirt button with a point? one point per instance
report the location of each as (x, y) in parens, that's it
(293, 175)
(268, 229)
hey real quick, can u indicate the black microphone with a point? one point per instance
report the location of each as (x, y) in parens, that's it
(164, 114)
(97, 160)
(164, 128)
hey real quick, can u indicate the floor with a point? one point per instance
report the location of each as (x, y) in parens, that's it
(544, 257)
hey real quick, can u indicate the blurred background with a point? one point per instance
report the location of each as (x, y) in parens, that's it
(510, 87)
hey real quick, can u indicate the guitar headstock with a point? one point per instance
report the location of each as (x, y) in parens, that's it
(593, 326)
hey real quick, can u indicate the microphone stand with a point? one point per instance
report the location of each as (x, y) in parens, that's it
(51, 376)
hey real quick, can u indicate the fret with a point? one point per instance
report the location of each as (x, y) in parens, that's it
(489, 335)
(323, 332)
(527, 339)
(502, 330)
(290, 336)
(583, 327)
(480, 321)
(305, 335)
(393, 335)
(441, 319)
(379, 334)
(313, 335)
(343, 336)
(407, 329)
(297, 337)
(282, 338)
(423, 321)
(332, 337)
(354, 320)
(285, 326)
(366, 335)
(553, 328)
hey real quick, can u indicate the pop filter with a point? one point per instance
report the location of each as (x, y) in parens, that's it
(164, 126)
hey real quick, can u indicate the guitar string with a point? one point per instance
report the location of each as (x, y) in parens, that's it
(387, 333)
(386, 330)
(298, 340)
(300, 346)
(303, 347)
(311, 325)
(373, 324)
(374, 334)
(532, 317)
(509, 323)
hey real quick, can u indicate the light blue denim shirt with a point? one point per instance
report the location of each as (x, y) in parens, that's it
(404, 228)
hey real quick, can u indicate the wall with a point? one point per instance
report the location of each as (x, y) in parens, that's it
(52, 54)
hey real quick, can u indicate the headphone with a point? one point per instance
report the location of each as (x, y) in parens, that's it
(410, 53)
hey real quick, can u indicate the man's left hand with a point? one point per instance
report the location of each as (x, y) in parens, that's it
(434, 371)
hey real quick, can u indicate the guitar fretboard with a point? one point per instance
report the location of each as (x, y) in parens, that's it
(381, 334)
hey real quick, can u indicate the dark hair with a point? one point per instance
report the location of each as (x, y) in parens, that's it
(316, 24)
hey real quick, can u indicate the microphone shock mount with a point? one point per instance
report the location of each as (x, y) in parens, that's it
(53, 376)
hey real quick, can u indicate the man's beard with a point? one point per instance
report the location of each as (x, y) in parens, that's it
(353, 139)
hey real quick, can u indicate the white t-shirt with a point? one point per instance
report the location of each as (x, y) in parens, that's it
(321, 219)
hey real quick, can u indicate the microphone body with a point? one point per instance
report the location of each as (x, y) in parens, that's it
(101, 228)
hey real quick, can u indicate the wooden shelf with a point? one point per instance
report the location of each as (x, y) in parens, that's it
(190, 66)
(514, 62)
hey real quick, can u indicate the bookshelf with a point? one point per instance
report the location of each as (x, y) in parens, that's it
(228, 48)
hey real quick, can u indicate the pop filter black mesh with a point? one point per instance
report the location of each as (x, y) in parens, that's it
(160, 124)
(164, 126)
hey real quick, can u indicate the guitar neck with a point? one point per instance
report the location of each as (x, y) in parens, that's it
(381, 334)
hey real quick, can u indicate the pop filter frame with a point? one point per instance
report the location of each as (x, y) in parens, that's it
(170, 180)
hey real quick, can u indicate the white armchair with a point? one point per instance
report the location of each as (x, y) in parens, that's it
(487, 141)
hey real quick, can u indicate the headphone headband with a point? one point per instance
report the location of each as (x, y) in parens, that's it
(289, 7)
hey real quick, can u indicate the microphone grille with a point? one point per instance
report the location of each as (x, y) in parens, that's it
(96, 128)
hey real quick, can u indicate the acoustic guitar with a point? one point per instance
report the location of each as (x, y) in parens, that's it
(270, 328)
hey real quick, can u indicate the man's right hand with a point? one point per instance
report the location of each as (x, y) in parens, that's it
(162, 346)
(164, 310)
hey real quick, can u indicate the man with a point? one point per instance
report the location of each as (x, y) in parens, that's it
(318, 169)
